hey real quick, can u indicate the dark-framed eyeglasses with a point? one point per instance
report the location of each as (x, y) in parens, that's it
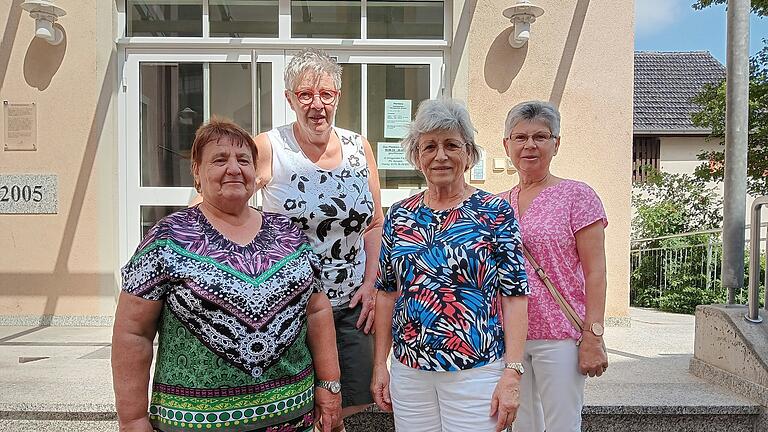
(538, 138)
(327, 97)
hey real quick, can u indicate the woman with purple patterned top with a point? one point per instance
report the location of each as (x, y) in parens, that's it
(244, 331)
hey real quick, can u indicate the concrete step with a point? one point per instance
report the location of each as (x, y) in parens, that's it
(624, 419)
(647, 387)
(738, 418)
(57, 426)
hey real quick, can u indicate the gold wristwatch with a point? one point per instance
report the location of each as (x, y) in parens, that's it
(596, 329)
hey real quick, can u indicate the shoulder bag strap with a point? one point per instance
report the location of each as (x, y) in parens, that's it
(566, 307)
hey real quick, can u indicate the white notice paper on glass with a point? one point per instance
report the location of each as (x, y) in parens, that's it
(397, 117)
(477, 173)
(391, 156)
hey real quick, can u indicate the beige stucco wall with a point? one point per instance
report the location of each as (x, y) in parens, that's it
(678, 155)
(62, 264)
(580, 57)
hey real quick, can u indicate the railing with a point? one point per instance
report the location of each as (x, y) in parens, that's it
(693, 260)
(664, 263)
(753, 302)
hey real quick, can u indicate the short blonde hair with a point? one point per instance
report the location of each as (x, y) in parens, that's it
(311, 59)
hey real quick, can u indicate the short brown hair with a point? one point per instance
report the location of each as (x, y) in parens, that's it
(215, 129)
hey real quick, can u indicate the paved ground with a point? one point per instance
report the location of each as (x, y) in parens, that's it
(67, 369)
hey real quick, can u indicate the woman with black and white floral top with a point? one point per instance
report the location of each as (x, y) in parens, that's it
(325, 179)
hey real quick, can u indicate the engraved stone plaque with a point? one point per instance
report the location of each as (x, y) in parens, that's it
(29, 193)
(20, 126)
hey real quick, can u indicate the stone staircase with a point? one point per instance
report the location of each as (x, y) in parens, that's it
(647, 388)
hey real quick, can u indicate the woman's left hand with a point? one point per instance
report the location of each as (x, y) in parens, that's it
(506, 399)
(367, 295)
(593, 360)
(327, 409)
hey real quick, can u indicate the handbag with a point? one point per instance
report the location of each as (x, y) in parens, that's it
(566, 307)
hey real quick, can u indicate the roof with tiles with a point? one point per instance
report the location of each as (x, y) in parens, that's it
(665, 83)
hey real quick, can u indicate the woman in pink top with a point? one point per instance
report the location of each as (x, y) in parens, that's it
(562, 222)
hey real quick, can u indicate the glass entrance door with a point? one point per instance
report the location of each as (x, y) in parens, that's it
(167, 94)
(167, 97)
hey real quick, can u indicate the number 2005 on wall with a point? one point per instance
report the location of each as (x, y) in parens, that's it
(28, 193)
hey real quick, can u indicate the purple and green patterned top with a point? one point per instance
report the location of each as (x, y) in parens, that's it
(232, 352)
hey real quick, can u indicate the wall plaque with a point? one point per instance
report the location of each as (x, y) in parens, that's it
(20, 126)
(29, 193)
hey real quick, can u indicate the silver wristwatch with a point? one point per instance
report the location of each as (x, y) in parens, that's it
(515, 366)
(332, 386)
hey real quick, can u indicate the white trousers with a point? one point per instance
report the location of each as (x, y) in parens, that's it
(551, 389)
(460, 401)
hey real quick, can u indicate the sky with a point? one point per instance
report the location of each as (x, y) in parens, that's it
(673, 25)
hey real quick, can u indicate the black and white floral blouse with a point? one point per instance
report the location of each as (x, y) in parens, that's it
(333, 207)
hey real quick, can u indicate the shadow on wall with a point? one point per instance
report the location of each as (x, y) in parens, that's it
(462, 33)
(566, 60)
(62, 282)
(9, 37)
(43, 61)
(503, 63)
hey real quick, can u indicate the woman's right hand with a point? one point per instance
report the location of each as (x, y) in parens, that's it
(138, 425)
(380, 387)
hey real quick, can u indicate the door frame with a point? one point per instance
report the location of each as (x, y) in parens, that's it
(132, 195)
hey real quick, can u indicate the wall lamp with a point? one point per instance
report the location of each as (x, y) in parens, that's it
(45, 13)
(522, 15)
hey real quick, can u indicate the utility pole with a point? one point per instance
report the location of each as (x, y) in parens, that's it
(736, 134)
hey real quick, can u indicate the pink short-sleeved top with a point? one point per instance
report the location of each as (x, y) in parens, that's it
(548, 228)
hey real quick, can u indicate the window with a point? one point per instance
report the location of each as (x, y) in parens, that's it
(645, 154)
(164, 18)
(325, 19)
(312, 19)
(243, 18)
(405, 19)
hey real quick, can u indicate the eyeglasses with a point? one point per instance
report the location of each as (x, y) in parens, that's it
(538, 138)
(449, 147)
(327, 97)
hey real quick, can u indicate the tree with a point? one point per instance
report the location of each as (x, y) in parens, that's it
(674, 273)
(712, 116)
(673, 204)
(760, 7)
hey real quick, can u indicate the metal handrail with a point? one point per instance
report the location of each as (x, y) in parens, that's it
(753, 303)
(690, 233)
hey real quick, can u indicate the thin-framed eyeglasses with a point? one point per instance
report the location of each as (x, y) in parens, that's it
(538, 138)
(327, 97)
(449, 147)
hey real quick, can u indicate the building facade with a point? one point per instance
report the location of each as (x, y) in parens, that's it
(104, 120)
(665, 137)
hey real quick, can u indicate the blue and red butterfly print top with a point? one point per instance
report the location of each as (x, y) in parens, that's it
(450, 265)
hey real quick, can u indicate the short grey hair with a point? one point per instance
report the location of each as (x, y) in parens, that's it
(533, 111)
(314, 60)
(440, 115)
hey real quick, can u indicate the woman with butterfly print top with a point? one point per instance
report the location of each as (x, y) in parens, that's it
(325, 179)
(450, 263)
